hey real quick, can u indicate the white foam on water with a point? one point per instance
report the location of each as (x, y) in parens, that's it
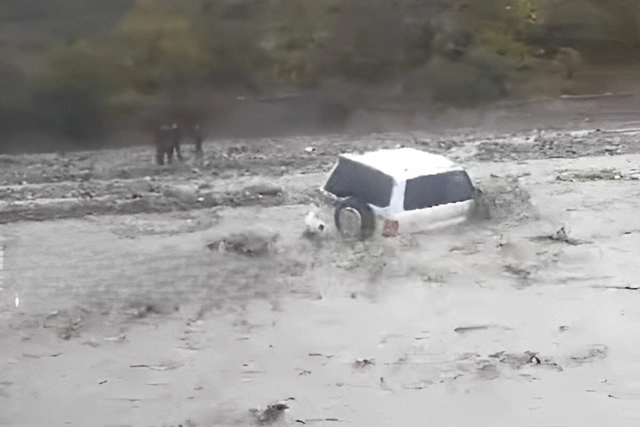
(581, 132)
(626, 131)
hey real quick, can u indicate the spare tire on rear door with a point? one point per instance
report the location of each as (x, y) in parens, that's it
(354, 219)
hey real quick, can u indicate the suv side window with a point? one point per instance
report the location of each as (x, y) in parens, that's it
(355, 179)
(434, 190)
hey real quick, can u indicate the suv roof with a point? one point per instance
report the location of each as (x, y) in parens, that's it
(404, 163)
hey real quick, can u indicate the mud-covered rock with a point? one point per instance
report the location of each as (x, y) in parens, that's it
(270, 414)
(249, 243)
(503, 199)
(527, 358)
(590, 354)
(593, 175)
(264, 189)
(210, 199)
(182, 193)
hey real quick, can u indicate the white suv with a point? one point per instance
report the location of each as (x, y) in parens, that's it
(397, 191)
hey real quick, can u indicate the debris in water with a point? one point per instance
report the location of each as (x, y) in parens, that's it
(487, 372)
(92, 342)
(594, 175)
(264, 189)
(560, 236)
(248, 243)
(271, 413)
(520, 360)
(35, 356)
(328, 356)
(314, 226)
(591, 354)
(465, 329)
(156, 367)
(625, 288)
(520, 273)
(361, 363)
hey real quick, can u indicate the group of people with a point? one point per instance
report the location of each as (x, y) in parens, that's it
(169, 137)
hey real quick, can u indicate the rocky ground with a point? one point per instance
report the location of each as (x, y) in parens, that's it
(132, 294)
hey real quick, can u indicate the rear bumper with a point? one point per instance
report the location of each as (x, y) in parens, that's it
(438, 217)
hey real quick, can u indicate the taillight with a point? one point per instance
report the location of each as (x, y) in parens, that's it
(390, 228)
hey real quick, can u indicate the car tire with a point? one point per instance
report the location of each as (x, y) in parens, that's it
(367, 218)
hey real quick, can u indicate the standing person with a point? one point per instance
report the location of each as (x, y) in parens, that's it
(198, 138)
(167, 142)
(570, 60)
(176, 140)
(162, 141)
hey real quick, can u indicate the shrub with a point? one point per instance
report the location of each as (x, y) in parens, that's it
(70, 94)
(159, 46)
(478, 77)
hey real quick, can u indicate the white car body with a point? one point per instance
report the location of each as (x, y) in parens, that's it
(406, 165)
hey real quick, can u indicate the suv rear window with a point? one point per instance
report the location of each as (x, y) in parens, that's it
(355, 179)
(434, 190)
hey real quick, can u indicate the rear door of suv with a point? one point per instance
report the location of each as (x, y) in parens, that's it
(434, 201)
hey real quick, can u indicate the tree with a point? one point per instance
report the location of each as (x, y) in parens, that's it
(593, 22)
(158, 46)
(72, 92)
(502, 26)
(234, 33)
(15, 102)
(296, 39)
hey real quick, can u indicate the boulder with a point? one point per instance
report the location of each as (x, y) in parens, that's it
(182, 193)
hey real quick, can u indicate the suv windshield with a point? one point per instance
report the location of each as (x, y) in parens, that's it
(433, 190)
(352, 178)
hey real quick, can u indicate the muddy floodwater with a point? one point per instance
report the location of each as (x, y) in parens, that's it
(136, 295)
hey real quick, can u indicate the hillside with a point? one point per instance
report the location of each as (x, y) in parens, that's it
(94, 72)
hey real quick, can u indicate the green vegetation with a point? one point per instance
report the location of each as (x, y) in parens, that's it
(159, 44)
(157, 47)
(147, 50)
